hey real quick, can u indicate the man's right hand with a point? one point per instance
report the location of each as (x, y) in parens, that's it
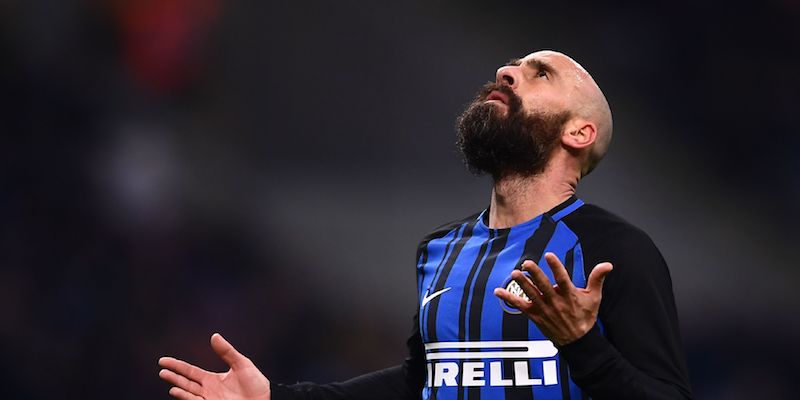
(242, 382)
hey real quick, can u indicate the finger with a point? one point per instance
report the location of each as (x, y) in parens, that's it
(512, 299)
(597, 276)
(180, 381)
(225, 350)
(539, 279)
(181, 367)
(560, 273)
(526, 285)
(181, 394)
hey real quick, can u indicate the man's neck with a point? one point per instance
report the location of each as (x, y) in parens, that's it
(517, 199)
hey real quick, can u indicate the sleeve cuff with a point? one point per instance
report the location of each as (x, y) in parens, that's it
(278, 391)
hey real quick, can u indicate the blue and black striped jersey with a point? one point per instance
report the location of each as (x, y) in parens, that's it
(476, 346)
(466, 344)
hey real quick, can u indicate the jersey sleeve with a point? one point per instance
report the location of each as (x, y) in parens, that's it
(401, 382)
(634, 351)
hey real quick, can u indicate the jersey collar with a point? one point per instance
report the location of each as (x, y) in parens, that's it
(556, 213)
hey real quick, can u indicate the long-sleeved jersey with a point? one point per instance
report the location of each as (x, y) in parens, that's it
(468, 344)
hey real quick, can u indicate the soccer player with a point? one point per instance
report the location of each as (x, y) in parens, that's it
(540, 296)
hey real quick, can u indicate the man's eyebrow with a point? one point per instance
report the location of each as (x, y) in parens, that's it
(540, 65)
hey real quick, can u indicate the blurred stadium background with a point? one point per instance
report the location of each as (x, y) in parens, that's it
(173, 168)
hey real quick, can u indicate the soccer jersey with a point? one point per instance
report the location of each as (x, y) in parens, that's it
(477, 346)
(466, 344)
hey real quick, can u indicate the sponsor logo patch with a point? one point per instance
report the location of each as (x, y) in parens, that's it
(501, 363)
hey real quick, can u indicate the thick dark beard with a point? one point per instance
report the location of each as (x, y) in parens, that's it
(504, 145)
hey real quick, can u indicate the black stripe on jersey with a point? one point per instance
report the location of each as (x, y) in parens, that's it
(422, 258)
(562, 206)
(568, 202)
(479, 293)
(563, 377)
(462, 314)
(433, 306)
(569, 260)
(515, 326)
(498, 243)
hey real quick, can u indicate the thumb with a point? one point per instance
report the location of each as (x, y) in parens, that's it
(227, 353)
(597, 276)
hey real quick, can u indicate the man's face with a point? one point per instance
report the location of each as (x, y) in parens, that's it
(515, 123)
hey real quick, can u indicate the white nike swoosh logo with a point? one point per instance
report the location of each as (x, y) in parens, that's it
(427, 299)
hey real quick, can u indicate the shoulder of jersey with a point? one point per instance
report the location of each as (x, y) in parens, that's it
(444, 229)
(594, 219)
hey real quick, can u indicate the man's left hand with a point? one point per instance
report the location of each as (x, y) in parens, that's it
(562, 312)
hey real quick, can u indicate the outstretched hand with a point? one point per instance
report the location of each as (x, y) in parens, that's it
(243, 381)
(562, 312)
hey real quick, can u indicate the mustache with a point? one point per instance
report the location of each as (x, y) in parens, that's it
(514, 101)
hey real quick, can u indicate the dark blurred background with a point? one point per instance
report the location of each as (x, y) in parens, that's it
(264, 169)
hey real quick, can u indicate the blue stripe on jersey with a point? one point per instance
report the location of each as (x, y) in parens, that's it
(581, 278)
(420, 275)
(578, 274)
(438, 251)
(568, 209)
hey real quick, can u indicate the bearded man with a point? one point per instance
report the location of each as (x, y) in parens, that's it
(492, 322)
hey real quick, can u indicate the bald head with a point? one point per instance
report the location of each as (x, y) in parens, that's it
(584, 99)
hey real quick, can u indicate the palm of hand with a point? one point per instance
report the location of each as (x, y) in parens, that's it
(243, 381)
(244, 384)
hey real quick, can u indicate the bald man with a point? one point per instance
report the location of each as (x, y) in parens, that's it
(517, 301)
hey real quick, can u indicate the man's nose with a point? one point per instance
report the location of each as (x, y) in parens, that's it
(508, 75)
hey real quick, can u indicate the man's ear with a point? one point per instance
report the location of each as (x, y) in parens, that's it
(579, 134)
